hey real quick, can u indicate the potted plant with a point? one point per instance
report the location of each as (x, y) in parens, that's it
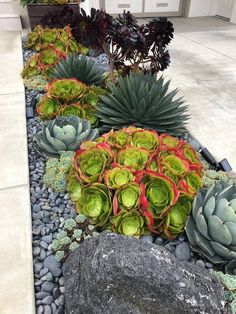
(37, 9)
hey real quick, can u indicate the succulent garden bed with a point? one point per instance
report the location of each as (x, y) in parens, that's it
(131, 167)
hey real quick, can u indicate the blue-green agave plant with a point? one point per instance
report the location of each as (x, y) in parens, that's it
(211, 229)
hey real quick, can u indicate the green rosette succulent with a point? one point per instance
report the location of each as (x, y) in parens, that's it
(63, 134)
(191, 183)
(90, 164)
(169, 141)
(117, 139)
(129, 223)
(117, 177)
(145, 139)
(47, 108)
(174, 167)
(74, 188)
(161, 194)
(127, 198)
(191, 156)
(73, 110)
(91, 115)
(49, 35)
(133, 158)
(95, 203)
(31, 39)
(66, 89)
(176, 218)
(48, 57)
(31, 68)
(211, 229)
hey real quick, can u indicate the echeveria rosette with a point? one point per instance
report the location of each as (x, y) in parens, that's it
(117, 177)
(73, 110)
(173, 167)
(66, 89)
(48, 36)
(31, 39)
(177, 216)
(211, 228)
(31, 68)
(117, 139)
(48, 57)
(133, 158)
(187, 152)
(90, 164)
(169, 142)
(127, 198)
(95, 203)
(129, 223)
(47, 108)
(159, 195)
(74, 188)
(145, 139)
(191, 183)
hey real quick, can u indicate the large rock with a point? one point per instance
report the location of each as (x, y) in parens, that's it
(120, 275)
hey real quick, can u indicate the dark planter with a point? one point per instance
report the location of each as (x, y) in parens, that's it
(37, 11)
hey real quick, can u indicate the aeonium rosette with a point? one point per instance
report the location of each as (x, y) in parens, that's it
(133, 181)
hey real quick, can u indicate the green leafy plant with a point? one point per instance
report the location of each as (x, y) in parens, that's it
(79, 67)
(75, 231)
(57, 170)
(229, 283)
(143, 101)
(63, 134)
(70, 97)
(122, 183)
(35, 82)
(212, 176)
(211, 229)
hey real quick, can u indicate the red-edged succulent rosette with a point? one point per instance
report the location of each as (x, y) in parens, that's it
(90, 165)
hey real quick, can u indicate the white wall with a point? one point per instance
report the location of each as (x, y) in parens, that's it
(233, 16)
(201, 8)
(94, 3)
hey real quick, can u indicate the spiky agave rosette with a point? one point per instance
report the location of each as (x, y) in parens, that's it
(133, 181)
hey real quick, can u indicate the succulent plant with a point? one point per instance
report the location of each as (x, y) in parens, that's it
(79, 67)
(143, 101)
(75, 231)
(63, 134)
(129, 223)
(212, 176)
(95, 203)
(36, 82)
(66, 90)
(57, 170)
(121, 182)
(229, 283)
(47, 107)
(211, 229)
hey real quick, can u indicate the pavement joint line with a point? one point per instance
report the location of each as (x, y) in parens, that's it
(196, 42)
(14, 187)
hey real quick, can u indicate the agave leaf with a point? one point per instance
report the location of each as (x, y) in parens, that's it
(57, 144)
(232, 229)
(224, 211)
(219, 231)
(223, 251)
(66, 134)
(201, 223)
(209, 208)
(203, 243)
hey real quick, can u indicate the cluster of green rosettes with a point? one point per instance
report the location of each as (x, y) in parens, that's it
(52, 45)
(134, 182)
(229, 283)
(70, 97)
(56, 171)
(75, 232)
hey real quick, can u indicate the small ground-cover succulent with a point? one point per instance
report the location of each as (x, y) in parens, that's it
(63, 134)
(70, 97)
(211, 229)
(35, 82)
(134, 182)
(57, 170)
(212, 176)
(75, 231)
(229, 283)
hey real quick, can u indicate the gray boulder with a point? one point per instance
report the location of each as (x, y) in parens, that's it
(114, 274)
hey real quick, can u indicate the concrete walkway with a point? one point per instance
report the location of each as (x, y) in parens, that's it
(16, 275)
(203, 66)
